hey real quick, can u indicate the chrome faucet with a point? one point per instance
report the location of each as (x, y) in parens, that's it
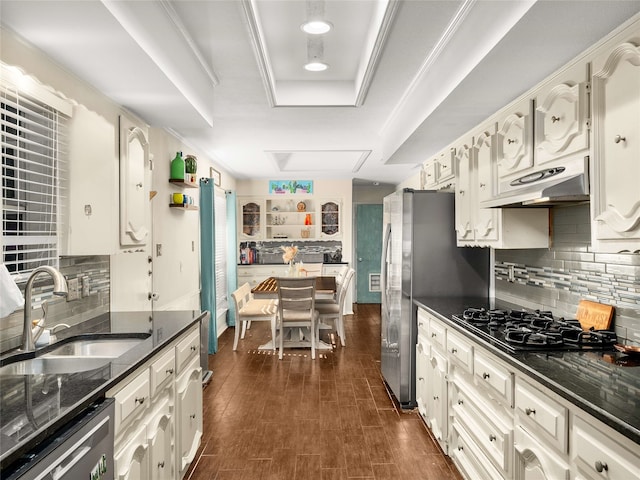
(59, 288)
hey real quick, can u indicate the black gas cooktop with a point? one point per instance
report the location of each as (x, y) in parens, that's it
(523, 330)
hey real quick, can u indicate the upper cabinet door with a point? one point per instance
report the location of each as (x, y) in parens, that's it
(330, 212)
(465, 201)
(514, 141)
(250, 211)
(616, 163)
(487, 220)
(134, 188)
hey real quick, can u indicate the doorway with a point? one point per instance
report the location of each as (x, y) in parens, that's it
(368, 252)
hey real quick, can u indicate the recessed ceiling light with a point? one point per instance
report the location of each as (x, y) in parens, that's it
(316, 27)
(316, 66)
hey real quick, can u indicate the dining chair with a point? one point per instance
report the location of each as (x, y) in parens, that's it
(333, 310)
(250, 309)
(296, 308)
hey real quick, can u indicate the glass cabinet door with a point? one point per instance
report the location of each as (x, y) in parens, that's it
(330, 219)
(250, 218)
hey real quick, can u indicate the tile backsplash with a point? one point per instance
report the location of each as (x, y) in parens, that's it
(559, 277)
(96, 268)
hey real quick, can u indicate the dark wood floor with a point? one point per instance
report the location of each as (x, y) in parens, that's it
(304, 419)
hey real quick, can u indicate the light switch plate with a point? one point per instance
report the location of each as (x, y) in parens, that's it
(85, 285)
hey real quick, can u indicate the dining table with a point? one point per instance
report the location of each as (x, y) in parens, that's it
(296, 337)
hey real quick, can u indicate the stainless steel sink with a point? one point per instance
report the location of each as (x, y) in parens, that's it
(53, 365)
(104, 347)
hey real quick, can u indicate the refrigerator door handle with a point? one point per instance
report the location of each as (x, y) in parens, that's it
(383, 266)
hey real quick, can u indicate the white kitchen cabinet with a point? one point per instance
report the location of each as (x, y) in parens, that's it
(437, 398)
(254, 274)
(158, 415)
(535, 461)
(562, 116)
(615, 201)
(439, 172)
(159, 439)
(422, 366)
(505, 228)
(471, 461)
(494, 377)
(92, 186)
(135, 180)
(131, 461)
(188, 415)
(543, 416)
(598, 452)
(514, 142)
(466, 202)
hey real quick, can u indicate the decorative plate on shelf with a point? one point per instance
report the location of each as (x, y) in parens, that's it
(302, 206)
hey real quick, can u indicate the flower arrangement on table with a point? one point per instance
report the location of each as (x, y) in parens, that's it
(289, 254)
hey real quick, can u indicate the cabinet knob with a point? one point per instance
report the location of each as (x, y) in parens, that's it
(554, 119)
(601, 466)
(485, 375)
(139, 401)
(193, 348)
(192, 416)
(421, 379)
(161, 464)
(510, 141)
(453, 350)
(435, 397)
(460, 402)
(462, 192)
(492, 437)
(460, 448)
(530, 411)
(482, 185)
(618, 139)
(169, 371)
(433, 335)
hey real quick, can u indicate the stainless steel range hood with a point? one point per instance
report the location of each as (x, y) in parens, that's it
(560, 184)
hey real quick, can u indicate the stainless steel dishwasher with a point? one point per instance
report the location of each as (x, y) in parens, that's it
(83, 450)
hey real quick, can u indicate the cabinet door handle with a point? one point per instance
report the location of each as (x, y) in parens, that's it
(554, 119)
(139, 400)
(618, 139)
(601, 466)
(453, 350)
(193, 348)
(530, 411)
(193, 416)
(435, 397)
(161, 464)
(482, 185)
(485, 375)
(492, 437)
(510, 141)
(433, 335)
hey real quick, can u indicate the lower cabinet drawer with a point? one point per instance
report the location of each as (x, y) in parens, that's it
(471, 462)
(599, 456)
(494, 376)
(186, 349)
(546, 417)
(460, 350)
(132, 399)
(162, 369)
(490, 434)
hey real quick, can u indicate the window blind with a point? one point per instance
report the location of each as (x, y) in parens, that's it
(220, 254)
(33, 146)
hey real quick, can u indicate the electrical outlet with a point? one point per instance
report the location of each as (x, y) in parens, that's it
(85, 286)
(73, 287)
(511, 275)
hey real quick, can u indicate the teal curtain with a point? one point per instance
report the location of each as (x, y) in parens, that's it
(232, 255)
(207, 259)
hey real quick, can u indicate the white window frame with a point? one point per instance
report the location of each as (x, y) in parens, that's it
(33, 137)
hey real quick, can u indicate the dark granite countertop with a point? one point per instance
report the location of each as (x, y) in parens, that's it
(605, 384)
(35, 407)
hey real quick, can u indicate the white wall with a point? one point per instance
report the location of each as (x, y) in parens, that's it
(176, 277)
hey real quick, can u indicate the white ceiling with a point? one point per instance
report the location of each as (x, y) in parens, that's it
(406, 78)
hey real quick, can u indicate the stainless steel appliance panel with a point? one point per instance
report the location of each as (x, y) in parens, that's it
(420, 258)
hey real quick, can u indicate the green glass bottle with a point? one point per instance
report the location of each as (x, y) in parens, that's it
(177, 167)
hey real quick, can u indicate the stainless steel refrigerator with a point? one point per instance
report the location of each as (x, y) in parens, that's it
(420, 259)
